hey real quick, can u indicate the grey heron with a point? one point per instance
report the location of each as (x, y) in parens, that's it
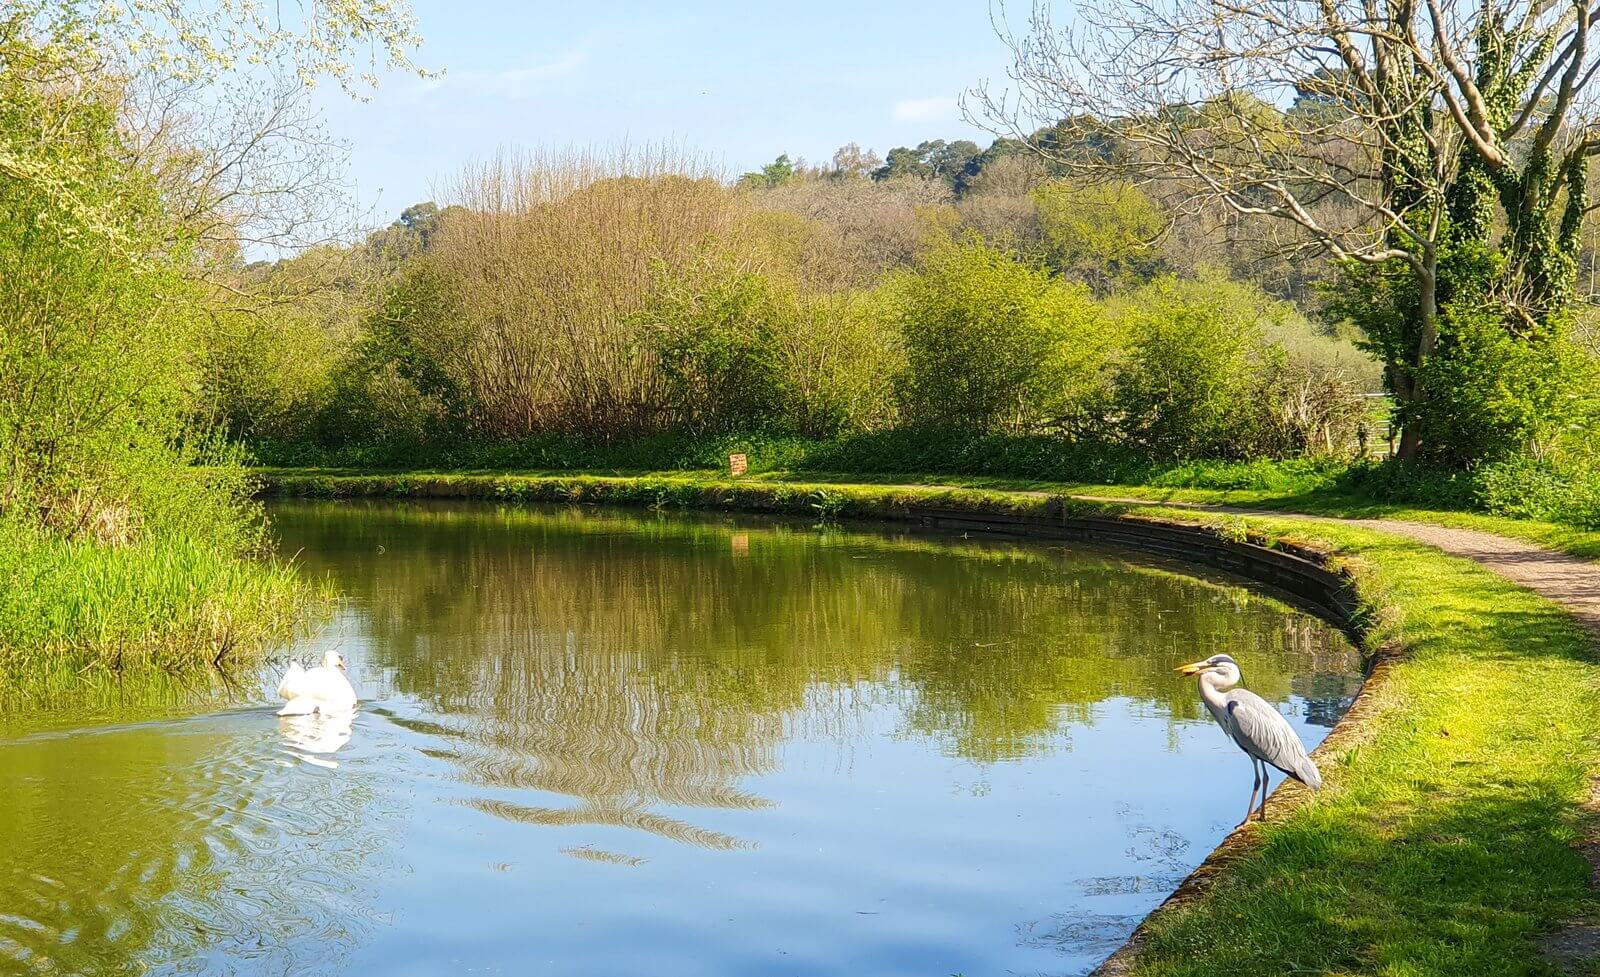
(1258, 729)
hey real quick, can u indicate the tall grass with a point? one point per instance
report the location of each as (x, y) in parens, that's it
(172, 603)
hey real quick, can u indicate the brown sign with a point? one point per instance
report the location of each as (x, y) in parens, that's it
(738, 464)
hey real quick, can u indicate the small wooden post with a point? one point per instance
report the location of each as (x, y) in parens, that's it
(738, 465)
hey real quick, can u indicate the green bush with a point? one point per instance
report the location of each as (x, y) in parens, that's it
(713, 335)
(1521, 488)
(740, 350)
(1216, 369)
(1499, 394)
(1526, 489)
(993, 343)
(116, 546)
(1189, 386)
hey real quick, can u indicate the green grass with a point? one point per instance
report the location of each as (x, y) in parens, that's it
(1444, 841)
(79, 617)
(1324, 501)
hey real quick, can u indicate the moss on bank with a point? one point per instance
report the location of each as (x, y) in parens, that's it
(1445, 840)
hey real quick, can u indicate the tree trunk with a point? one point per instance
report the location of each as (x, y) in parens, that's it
(1410, 391)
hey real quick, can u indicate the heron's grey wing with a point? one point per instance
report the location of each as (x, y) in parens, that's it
(1263, 733)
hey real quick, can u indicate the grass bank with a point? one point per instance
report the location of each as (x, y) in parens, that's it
(1445, 840)
(1318, 500)
(81, 617)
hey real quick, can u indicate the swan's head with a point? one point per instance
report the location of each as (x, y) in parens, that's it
(1222, 666)
(333, 660)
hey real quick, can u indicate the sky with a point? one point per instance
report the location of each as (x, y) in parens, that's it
(737, 82)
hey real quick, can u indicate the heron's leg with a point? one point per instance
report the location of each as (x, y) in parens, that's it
(1253, 788)
(1266, 788)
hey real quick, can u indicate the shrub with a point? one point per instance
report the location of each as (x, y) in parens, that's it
(1527, 489)
(1496, 394)
(714, 336)
(115, 545)
(1188, 387)
(993, 343)
(1216, 369)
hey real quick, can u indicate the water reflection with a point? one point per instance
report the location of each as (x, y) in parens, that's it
(315, 737)
(597, 742)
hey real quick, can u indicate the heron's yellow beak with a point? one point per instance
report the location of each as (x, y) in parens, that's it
(1193, 668)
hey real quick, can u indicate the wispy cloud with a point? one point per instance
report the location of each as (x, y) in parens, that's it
(521, 81)
(924, 109)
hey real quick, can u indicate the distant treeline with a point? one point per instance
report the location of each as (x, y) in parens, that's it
(627, 296)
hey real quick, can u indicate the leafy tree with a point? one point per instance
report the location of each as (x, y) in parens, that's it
(934, 159)
(1456, 121)
(227, 152)
(853, 162)
(774, 174)
(903, 161)
(1100, 233)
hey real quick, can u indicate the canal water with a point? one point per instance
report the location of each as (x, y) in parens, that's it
(598, 742)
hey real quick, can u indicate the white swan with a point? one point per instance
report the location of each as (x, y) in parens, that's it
(323, 689)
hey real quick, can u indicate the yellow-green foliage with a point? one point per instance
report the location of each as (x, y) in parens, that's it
(738, 349)
(1217, 369)
(623, 297)
(116, 549)
(1102, 232)
(992, 342)
(271, 365)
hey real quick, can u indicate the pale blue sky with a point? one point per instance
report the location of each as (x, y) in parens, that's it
(740, 82)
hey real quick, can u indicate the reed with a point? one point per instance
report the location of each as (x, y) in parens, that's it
(159, 603)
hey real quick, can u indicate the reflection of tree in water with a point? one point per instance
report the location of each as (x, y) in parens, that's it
(629, 659)
(1328, 695)
(183, 847)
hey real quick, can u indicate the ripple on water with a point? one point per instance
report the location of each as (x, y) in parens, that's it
(208, 854)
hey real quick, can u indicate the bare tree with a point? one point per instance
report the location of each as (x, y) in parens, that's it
(1384, 134)
(240, 166)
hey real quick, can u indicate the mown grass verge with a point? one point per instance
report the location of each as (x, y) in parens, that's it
(1445, 840)
(1324, 501)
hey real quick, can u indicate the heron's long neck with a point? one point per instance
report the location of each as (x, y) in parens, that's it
(1212, 687)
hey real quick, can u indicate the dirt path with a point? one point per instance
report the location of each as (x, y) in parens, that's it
(1567, 580)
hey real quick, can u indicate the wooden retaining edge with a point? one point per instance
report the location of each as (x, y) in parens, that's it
(1298, 570)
